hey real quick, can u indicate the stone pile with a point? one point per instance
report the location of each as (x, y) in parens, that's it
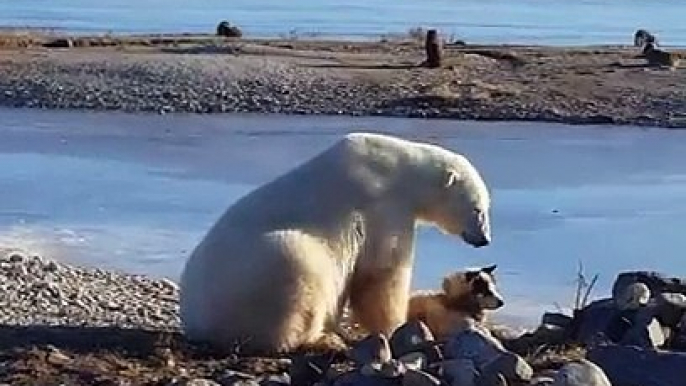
(636, 337)
(412, 357)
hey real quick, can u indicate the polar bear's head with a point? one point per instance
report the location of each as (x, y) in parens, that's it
(462, 203)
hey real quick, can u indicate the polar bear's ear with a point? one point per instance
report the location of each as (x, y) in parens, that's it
(450, 177)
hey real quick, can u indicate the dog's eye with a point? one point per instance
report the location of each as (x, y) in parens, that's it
(481, 287)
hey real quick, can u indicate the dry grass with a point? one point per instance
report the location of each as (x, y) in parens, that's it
(552, 358)
(27, 40)
(19, 41)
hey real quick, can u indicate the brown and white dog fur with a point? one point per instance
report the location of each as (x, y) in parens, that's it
(465, 297)
(660, 58)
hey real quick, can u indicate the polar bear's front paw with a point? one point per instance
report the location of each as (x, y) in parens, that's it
(327, 342)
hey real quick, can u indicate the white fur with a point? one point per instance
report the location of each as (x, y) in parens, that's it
(279, 265)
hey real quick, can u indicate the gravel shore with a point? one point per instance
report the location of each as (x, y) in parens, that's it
(603, 85)
(34, 290)
(65, 325)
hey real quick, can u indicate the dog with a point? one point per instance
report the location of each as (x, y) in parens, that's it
(643, 37)
(660, 58)
(464, 298)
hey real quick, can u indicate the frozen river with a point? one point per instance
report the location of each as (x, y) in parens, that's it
(136, 192)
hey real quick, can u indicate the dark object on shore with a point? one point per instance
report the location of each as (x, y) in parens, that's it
(580, 372)
(556, 319)
(670, 309)
(307, 370)
(657, 57)
(597, 321)
(434, 49)
(59, 43)
(629, 365)
(227, 30)
(656, 282)
(643, 37)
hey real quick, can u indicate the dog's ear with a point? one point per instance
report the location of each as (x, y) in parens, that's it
(489, 270)
(471, 275)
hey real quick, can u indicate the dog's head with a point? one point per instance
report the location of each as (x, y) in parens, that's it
(474, 286)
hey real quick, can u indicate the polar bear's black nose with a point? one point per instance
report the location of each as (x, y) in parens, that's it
(476, 241)
(482, 242)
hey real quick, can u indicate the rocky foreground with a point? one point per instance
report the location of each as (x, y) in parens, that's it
(63, 325)
(205, 74)
(66, 325)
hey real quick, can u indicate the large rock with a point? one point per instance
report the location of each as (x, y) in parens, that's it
(630, 365)
(556, 319)
(410, 337)
(656, 282)
(510, 366)
(460, 372)
(419, 378)
(307, 370)
(678, 341)
(476, 357)
(633, 296)
(581, 373)
(373, 348)
(644, 330)
(474, 344)
(606, 321)
(669, 308)
(596, 321)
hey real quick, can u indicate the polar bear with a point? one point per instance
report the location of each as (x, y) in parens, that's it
(277, 269)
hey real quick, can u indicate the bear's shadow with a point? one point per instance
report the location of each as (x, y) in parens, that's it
(135, 343)
(132, 342)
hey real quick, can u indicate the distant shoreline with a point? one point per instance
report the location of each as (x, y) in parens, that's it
(208, 74)
(293, 34)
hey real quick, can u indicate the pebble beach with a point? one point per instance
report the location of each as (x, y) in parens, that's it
(204, 74)
(67, 325)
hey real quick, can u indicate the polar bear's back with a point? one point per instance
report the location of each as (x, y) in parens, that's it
(334, 177)
(349, 175)
(308, 195)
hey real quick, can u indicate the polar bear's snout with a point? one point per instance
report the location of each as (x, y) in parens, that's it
(478, 231)
(476, 240)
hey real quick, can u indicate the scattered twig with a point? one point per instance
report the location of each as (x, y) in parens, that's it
(588, 290)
